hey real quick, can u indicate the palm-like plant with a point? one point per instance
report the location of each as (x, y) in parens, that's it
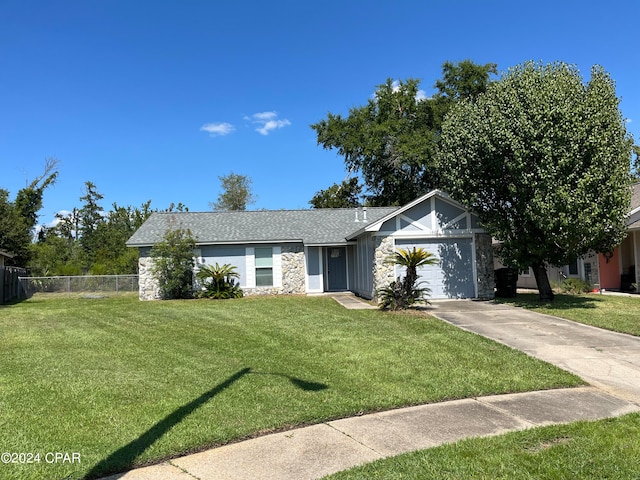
(219, 281)
(404, 292)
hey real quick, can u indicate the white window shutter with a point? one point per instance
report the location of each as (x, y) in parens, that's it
(250, 267)
(277, 266)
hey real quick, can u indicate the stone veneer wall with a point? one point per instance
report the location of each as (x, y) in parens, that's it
(383, 273)
(485, 266)
(147, 285)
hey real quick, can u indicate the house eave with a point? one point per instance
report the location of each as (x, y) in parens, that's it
(220, 242)
(330, 244)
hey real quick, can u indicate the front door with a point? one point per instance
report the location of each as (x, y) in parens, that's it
(336, 269)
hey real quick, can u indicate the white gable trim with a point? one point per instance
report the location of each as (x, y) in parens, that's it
(410, 221)
(375, 226)
(464, 215)
(438, 234)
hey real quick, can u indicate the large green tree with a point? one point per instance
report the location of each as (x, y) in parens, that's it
(391, 141)
(14, 231)
(29, 199)
(91, 216)
(236, 193)
(344, 195)
(543, 158)
(18, 218)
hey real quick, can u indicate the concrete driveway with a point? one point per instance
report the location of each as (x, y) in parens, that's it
(607, 360)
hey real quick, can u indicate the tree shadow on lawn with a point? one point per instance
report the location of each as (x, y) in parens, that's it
(125, 457)
(560, 302)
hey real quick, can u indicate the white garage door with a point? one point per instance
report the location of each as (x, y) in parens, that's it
(452, 276)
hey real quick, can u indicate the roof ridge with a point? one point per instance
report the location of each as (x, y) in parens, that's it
(350, 209)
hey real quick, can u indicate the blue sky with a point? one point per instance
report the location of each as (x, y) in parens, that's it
(155, 100)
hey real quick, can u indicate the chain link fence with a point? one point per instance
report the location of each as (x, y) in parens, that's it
(81, 286)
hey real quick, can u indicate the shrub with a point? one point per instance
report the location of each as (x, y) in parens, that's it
(219, 282)
(404, 292)
(394, 297)
(574, 286)
(173, 264)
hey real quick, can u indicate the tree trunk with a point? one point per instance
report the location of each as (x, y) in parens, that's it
(542, 280)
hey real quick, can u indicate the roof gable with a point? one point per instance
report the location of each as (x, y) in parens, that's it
(431, 213)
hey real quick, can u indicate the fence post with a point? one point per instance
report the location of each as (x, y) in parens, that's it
(117, 284)
(68, 287)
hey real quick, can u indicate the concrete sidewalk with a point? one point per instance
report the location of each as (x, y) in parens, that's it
(319, 450)
(351, 302)
(610, 361)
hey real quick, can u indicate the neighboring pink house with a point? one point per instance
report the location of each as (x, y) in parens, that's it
(621, 270)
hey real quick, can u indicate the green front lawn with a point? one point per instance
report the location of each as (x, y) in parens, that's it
(123, 382)
(613, 312)
(604, 449)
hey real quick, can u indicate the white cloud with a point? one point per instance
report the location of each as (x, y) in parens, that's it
(421, 95)
(267, 121)
(56, 220)
(218, 129)
(264, 116)
(272, 125)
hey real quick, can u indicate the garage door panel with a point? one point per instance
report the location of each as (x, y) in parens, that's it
(452, 276)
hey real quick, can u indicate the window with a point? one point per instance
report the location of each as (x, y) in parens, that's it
(526, 272)
(264, 267)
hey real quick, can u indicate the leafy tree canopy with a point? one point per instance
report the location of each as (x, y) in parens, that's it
(635, 166)
(236, 193)
(18, 218)
(29, 200)
(344, 195)
(89, 240)
(14, 231)
(91, 217)
(543, 158)
(391, 141)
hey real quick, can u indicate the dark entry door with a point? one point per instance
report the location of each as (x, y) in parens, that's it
(336, 269)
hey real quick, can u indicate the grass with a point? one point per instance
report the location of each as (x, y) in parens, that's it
(604, 449)
(124, 383)
(617, 313)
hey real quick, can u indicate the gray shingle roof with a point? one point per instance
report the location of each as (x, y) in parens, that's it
(327, 226)
(635, 196)
(633, 223)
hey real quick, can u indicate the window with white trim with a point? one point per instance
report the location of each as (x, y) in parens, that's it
(264, 266)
